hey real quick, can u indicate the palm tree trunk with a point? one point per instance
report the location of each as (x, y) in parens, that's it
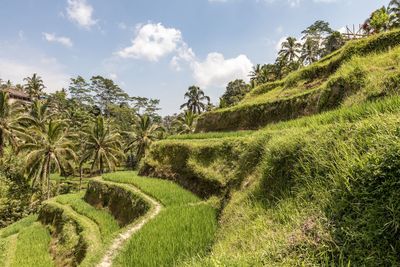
(47, 176)
(80, 176)
(101, 166)
(1, 144)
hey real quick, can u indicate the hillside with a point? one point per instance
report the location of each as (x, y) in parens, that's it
(356, 73)
(317, 190)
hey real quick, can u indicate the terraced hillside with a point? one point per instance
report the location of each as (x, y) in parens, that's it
(356, 73)
(114, 215)
(317, 190)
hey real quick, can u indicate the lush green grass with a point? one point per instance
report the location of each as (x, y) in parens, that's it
(184, 229)
(316, 191)
(210, 135)
(360, 77)
(177, 233)
(106, 222)
(18, 226)
(32, 248)
(167, 192)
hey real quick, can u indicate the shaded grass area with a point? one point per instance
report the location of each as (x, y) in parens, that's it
(106, 222)
(184, 228)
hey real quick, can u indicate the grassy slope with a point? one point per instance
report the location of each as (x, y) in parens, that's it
(320, 190)
(185, 227)
(105, 221)
(349, 76)
(25, 243)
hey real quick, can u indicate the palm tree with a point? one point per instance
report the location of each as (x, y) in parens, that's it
(145, 132)
(255, 73)
(309, 52)
(34, 86)
(102, 147)
(290, 50)
(48, 148)
(38, 114)
(186, 122)
(8, 122)
(196, 97)
(394, 11)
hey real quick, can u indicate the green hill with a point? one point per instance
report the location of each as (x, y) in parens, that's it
(356, 73)
(315, 190)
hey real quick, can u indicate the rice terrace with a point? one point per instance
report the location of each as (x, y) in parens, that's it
(144, 133)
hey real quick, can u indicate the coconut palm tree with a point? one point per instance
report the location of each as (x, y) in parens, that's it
(309, 52)
(186, 122)
(102, 147)
(38, 115)
(290, 50)
(196, 99)
(255, 73)
(49, 148)
(9, 128)
(394, 11)
(145, 132)
(34, 86)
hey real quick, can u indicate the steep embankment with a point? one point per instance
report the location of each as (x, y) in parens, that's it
(317, 190)
(349, 76)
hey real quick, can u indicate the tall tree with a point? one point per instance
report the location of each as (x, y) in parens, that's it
(9, 121)
(34, 86)
(235, 92)
(102, 147)
(49, 149)
(394, 12)
(310, 51)
(333, 42)
(107, 92)
(290, 50)
(197, 100)
(144, 133)
(80, 91)
(38, 115)
(186, 122)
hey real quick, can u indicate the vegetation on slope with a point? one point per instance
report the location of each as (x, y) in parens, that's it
(25, 243)
(184, 229)
(350, 75)
(323, 191)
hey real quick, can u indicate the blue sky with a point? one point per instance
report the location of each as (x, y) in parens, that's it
(157, 48)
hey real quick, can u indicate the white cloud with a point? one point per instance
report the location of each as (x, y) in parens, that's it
(51, 37)
(152, 42)
(50, 71)
(80, 12)
(218, 71)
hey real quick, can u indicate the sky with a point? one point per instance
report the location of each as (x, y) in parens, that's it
(157, 48)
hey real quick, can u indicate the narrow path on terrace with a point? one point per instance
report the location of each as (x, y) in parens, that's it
(119, 241)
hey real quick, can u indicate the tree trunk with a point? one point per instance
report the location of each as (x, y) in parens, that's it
(47, 176)
(80, 177)
(101, 166)
(1, 144)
